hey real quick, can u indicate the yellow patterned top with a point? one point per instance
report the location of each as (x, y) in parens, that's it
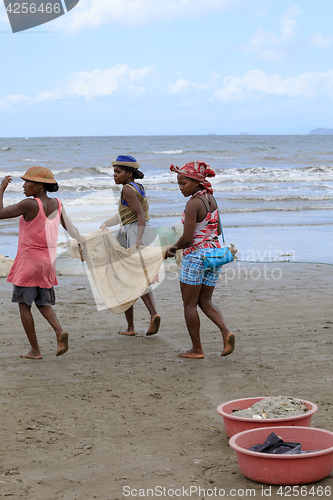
(126, 214)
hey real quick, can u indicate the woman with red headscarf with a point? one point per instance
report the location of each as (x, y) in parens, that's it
(201, 230)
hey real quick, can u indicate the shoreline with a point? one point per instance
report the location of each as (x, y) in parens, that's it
(117, 412)
(305, 243)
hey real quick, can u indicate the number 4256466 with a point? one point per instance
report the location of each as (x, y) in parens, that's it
(31, 8)
(304, 491)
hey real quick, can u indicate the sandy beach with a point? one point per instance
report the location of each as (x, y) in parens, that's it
(115, 414)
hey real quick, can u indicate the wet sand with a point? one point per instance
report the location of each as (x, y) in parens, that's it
(119, 411)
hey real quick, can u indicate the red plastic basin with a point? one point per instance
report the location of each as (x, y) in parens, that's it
(285, 469)
(234, 424)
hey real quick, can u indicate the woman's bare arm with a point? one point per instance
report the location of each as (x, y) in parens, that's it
(191, 215)
(70, 228)
(113, 221)
(27, 207)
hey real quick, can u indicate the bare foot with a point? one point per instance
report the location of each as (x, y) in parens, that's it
(31, 355)
(62, 343)
(154, 325)
(229, 345)
(129, 331)
(191, 354)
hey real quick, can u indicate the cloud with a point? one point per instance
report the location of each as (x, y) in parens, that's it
(182, 85)
(319, 40)
(3, 14)
(94, 84)
(270, 47)
(288, 23)
(258, 82)
(94, 13)
(265, 45)
(121, 80)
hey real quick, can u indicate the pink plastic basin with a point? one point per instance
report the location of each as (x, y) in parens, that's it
(285, 469)
(234, 424)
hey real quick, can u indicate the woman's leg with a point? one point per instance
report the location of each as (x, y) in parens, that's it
(62, 337)
(129, 315)
(190, 295)
(155, 319)
(214, 314)
(29, 328)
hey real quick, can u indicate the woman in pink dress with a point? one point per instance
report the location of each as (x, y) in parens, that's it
(33, 272)
(201, 230)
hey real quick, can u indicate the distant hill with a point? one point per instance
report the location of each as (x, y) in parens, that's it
(321, 131)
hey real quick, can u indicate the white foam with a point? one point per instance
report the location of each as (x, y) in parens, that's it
(104, 198)
(105, 170)
(61, 171)
(264, 174)
(176, 152)
(278, 208)
(15, 173)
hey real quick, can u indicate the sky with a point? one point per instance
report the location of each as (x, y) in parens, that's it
(170, 67)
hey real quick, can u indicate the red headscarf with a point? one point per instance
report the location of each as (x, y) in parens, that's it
(197, 170)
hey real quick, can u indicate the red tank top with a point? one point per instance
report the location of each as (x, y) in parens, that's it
(34, 264)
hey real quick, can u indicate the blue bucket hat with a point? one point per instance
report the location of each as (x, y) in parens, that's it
(126, 161)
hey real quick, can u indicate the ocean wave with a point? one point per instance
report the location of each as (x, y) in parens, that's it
(278, 175)
(28, 159)
(61, 171)
(257, 209)
(18, 173)
(14, 173)
(76, 219)
(276, 209)
(232, 188)
(105, 198)
(176, 152)
(15, 187)
(242, 180)
(104, 170)
(5, 149)
(224, 157)
(280, 198)
(93, 178)
(87, 183)
(254, 175)
(161, 215)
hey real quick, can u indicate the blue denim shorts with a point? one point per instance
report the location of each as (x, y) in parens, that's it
(193, 272)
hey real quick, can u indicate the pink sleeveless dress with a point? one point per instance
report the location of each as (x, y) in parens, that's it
(34, 264)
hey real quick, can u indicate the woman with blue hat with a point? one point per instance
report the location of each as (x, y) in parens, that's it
(135, 229)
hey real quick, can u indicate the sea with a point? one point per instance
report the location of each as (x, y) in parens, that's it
(275, 193)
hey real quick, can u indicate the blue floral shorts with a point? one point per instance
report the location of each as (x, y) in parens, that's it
(193, 272)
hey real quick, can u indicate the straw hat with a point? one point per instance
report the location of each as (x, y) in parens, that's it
(39, 174)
